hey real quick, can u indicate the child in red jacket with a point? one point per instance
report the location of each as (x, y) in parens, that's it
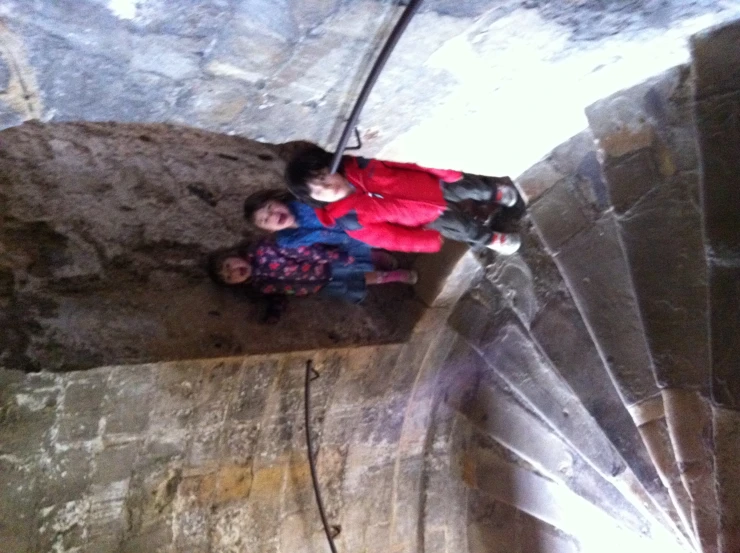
(398, 206)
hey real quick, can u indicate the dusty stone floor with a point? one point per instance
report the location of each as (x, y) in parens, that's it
(104, 233)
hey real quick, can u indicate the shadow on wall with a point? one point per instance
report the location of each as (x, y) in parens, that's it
(104, 232)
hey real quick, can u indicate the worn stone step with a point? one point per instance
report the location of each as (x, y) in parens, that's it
(585, 242)
(531, 285)
(482, 395)
(505, 346)
(716, 65)
(647, 141)
(554, 503)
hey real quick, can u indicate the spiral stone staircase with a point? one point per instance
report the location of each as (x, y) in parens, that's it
(581, 395)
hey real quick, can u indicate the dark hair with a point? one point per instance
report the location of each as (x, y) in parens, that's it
(216, 261)
(308, 164)
(255, 201)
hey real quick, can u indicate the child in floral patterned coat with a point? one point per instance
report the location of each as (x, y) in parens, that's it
(271, 270)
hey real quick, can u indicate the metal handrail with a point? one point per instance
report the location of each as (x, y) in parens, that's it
(385, 53)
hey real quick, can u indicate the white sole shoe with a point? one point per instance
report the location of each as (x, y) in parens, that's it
(504, 243)
(506, 195)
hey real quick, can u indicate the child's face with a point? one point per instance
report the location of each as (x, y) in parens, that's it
(329, 188)
(273, 216)
(235, 270)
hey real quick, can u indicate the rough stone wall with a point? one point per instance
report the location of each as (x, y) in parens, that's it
(104, 233)
(210, 457)
(278, 71)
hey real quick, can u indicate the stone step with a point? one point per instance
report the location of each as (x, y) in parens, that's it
(716, 65)
(532, 287)
(480, 393)
(513, 357)
(553, 503)
(647, 141)
(584, 240)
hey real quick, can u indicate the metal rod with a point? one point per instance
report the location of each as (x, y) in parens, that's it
(385, 53)
(311, 460)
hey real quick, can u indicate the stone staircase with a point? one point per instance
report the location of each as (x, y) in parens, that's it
(579, 396)
(606, 352)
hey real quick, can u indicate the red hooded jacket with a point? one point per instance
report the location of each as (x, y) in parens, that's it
(391, 204)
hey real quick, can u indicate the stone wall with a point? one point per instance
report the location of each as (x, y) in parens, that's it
(210, 456)
(104, 234)
(464, 88)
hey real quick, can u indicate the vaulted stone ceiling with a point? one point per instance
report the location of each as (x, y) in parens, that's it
(488, 86)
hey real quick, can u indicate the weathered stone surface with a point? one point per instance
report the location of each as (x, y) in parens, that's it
(724, 298)
(720, 195)
(498, 413)
(546, 501)
(575, 158)
(560, 331)
(106, 230)
(446, 275)
(630, 178)
(594, 266)
(717, 89)
(726, 451)
(716, 60)
(559, 215)
(666, 224)
(529, 280)
(316, 52)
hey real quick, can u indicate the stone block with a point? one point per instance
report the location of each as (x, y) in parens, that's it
(528, 280)
(594, 266)
(537, 180)
(716, 60)
(558, 215)
(129, 400)
(493, 526)
(200, 19)
(170, 56)
(535, 535)
(563, 337)
(240, 440)
(115, 463)
(156, 538)
(724, 300)
(18, 505)
(630, 178)
(726, 452)
(9, 117)
(78, 428)
(255, 386)
(620, 124)
(445, 275)
(665, 225)
(472, 317)
(206, 445)
(249, 51)
(518, 364)
(67, 478)
(26, 420)
(83, 394)
(73, 84)
(721, 172)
